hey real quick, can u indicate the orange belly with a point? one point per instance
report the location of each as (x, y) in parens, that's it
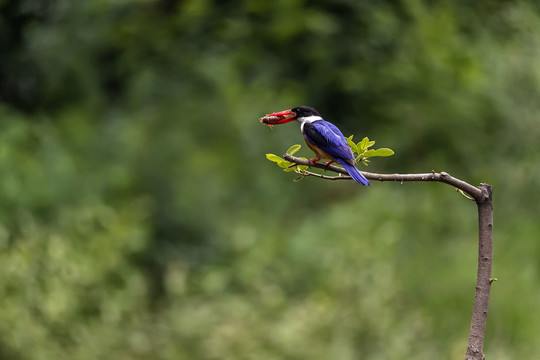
(321, 154)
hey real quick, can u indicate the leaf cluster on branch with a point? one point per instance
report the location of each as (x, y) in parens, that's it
(361, 151)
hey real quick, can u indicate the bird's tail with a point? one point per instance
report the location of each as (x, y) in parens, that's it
(355, 173)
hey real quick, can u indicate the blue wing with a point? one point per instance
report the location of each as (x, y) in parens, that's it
(327, 137)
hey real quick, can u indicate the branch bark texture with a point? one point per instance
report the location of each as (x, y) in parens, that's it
(482, 195)
(475, 346)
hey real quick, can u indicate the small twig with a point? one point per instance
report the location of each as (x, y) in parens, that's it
(326, 177)
(464, 195)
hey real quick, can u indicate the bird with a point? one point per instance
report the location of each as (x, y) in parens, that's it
(323, 137)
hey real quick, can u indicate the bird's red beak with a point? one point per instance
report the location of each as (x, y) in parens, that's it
(281, 117)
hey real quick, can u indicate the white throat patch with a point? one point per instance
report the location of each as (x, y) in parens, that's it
(307, 119)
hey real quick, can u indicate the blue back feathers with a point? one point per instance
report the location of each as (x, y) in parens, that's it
(327, 137)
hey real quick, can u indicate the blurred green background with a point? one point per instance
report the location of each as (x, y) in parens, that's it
(139, 217)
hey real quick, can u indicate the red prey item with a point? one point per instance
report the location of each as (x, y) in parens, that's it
(281, 117)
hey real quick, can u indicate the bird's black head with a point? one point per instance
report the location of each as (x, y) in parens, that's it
(304, 111)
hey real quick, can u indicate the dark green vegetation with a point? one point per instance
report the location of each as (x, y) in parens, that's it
(139, 218)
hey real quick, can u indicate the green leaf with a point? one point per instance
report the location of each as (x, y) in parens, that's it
(368, 153)
(273, 158)
(363, 145)
(383, 152)
(284, 164)
(293, 149)
(352, 144)
(378, 152)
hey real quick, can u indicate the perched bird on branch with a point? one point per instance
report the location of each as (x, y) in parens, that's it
(324, 138)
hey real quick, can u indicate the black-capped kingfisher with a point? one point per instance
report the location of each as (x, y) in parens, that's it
(324, 138)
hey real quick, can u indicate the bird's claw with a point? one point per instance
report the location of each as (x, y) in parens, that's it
(327, 163)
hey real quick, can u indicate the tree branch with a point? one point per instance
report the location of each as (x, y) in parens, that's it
(483, 198)
(443, 177)
(475, 346)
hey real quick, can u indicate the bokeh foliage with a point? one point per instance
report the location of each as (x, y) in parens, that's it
(140, 219)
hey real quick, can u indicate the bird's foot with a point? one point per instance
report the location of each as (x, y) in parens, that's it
(314, 160)
(327, 163)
